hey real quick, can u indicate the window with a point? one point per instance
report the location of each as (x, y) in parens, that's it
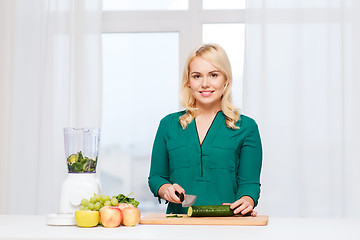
(140, 82)
(234, 47)
(224, 4)
(144, 50)
(126, 5)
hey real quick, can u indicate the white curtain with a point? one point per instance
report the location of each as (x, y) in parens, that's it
(302, 85)
(50, 72)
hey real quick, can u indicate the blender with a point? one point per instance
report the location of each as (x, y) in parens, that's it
(81, 152)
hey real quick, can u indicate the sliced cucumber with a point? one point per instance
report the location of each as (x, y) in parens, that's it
(72, 158)
(210, 211)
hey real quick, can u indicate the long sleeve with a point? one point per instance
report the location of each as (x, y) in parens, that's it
(159, 168)
(248, 177)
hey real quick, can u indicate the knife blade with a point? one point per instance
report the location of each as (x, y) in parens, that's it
(188, 201)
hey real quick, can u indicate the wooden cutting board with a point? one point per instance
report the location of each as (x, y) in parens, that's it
(161, 219)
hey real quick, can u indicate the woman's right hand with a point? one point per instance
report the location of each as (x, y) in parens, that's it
(167, 192)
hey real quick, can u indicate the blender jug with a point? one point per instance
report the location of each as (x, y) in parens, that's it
(81, 149)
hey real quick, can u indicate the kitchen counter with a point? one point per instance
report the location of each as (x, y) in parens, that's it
(35, 227)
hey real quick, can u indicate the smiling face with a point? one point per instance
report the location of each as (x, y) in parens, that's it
(207, 84)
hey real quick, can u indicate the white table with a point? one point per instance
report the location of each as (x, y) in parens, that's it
(35, 227)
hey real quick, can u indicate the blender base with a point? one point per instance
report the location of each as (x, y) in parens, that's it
(61, 219)
(75, 187)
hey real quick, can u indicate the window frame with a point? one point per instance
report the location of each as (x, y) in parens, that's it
(188, 23)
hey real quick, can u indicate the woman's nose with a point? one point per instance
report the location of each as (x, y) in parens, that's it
(205, 82)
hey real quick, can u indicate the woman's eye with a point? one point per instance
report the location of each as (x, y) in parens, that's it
(196, 76)
(213, 75)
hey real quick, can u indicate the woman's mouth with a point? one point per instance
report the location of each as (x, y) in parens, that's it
(206, 93)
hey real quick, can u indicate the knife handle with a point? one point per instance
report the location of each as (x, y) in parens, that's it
(180, 195)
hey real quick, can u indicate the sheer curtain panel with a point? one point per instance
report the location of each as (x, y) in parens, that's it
(302, 85)
(50, 72)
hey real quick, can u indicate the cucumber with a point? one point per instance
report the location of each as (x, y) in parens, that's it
(72, 158)
(210, 211)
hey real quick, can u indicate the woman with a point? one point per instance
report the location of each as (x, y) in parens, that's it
(207, 150)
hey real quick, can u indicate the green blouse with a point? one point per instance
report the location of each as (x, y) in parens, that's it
(225, 167)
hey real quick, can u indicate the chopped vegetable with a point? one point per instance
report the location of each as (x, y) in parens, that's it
(174, 216)
(77, 163)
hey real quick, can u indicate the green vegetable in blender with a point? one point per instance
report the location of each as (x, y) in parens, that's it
(78, 163)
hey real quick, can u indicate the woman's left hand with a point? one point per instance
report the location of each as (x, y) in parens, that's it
(244, 205)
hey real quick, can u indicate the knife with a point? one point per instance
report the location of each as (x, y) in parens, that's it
(188, 201)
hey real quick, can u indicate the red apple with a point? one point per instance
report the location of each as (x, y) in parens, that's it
(124, 205)
(131, 216)
(110, 217)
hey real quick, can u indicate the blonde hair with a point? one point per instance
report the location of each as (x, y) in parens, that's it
(216, 55)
